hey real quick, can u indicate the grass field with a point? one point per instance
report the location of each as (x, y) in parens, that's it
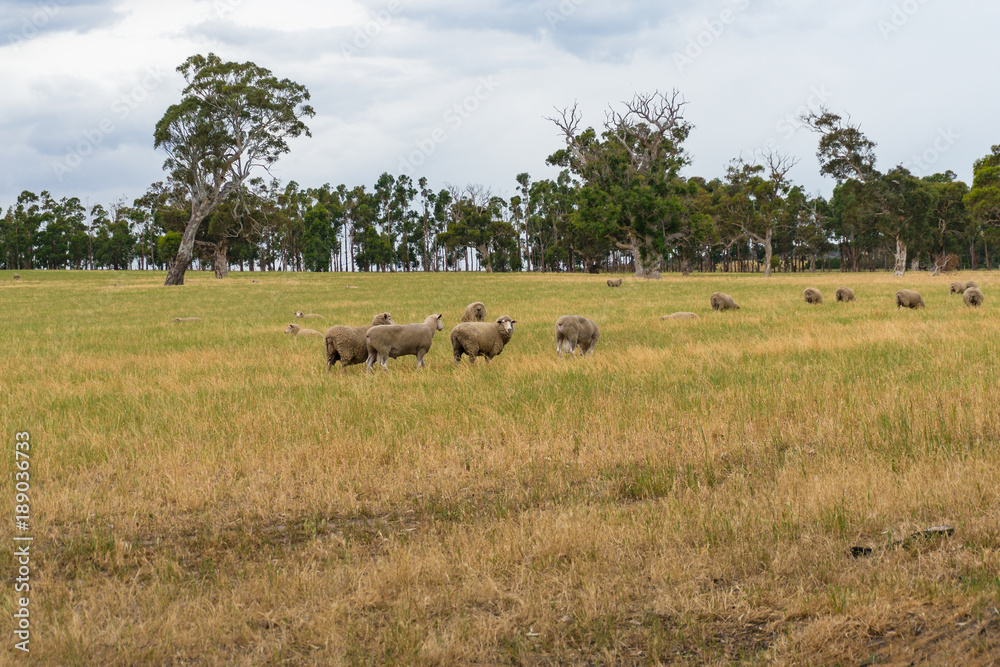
(207, 494)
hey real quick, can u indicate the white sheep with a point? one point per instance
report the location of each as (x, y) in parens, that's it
(301, 315)
(573, 331)
(347, 344)
(400, 340)
(486, 339)
(296, 330)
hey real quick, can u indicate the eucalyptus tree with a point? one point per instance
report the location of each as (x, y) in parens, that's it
(983, 200)
(633, 162)
(232, 119)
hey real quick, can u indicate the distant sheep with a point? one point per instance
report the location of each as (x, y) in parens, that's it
(957, 288)
(296, 330)
(973, 297)
(573, 331)
(485, 339)
(474, 312)
(186, 319)
(845, 294)
(907, 298)
(722, 301)
(301, 315)
(683, 315)
(615, 283)
(812, 295)
(347, 344)
(17, 276)
(400, 340)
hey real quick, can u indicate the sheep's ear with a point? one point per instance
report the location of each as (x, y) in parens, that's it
(513, 321)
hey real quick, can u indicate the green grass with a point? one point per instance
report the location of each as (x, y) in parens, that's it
(206, 492)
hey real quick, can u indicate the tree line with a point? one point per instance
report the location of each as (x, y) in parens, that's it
(619, 203)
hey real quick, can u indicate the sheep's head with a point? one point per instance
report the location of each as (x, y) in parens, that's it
(292, 329)
(298, 313)
(506, 324)
(440, 324)
(382, 318)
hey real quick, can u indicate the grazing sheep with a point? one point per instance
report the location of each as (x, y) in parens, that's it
(971, 283)
(352, 287)
(296, 330)
(909, 299)
(812, 295)
(347, 344)
(17, 276)
(573, 330)
(486, 339)
(474, 312)
(186, 319)
(683, 315)
(722, 301)
(845, 294)
(399, 340)
(614, 283)
(301, 315)
(957, 288)
(973, 297)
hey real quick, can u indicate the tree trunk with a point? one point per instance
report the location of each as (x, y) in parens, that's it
(915, 264)
(768, 252)
(685, 266)
(644, 268)
(221, 261)
(899, 269)
(186, 250)
(812, 263)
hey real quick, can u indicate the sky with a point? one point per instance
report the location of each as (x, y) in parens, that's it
(460, 91)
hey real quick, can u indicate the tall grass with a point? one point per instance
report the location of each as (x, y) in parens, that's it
(206, 492)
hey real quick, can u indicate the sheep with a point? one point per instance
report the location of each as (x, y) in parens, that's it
(399, 340)
(909, 299)
(474, 312)
(347, 344)
(301, 315)
(614, 283)
(683, 315)
(812, 295)
(973, 297)
(957, 288)
(971, 283)
(845, 294)
(186, 319)
(573, 330)
(17, 276)
(352, 287)
(486, 339)
(296, 330)
(722, 301)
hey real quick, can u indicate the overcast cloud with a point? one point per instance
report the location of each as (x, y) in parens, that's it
(458, 91)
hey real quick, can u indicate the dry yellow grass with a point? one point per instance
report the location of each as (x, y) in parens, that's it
(205, 493)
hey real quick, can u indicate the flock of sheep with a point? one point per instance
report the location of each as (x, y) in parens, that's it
(474, 336)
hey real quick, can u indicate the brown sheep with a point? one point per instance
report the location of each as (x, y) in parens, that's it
(484, 339)
(615, 283)
(973, 297)
(400, 340)
(573, 331)
(845, 294)
(722, 301)
(347, 344)
(17, 276)
(812, 295)
(474, 312)
(971, 283)
(957, 288)
(909, 299)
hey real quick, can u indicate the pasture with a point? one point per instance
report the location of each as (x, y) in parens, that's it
(206, 493)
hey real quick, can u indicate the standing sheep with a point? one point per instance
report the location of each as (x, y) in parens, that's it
(399, 340)
(296, 330)
(474, 312)
(17, 276)
(812, 295)
(347, 344)
(973, 297)
(614, 283)
(486, 339)
(957, 288)
(722, 301)
(845, 294)
(574, 330)
(909, 299)
(300, 314)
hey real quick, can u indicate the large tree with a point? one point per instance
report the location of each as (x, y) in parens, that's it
(232, 118)
(983, 201)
